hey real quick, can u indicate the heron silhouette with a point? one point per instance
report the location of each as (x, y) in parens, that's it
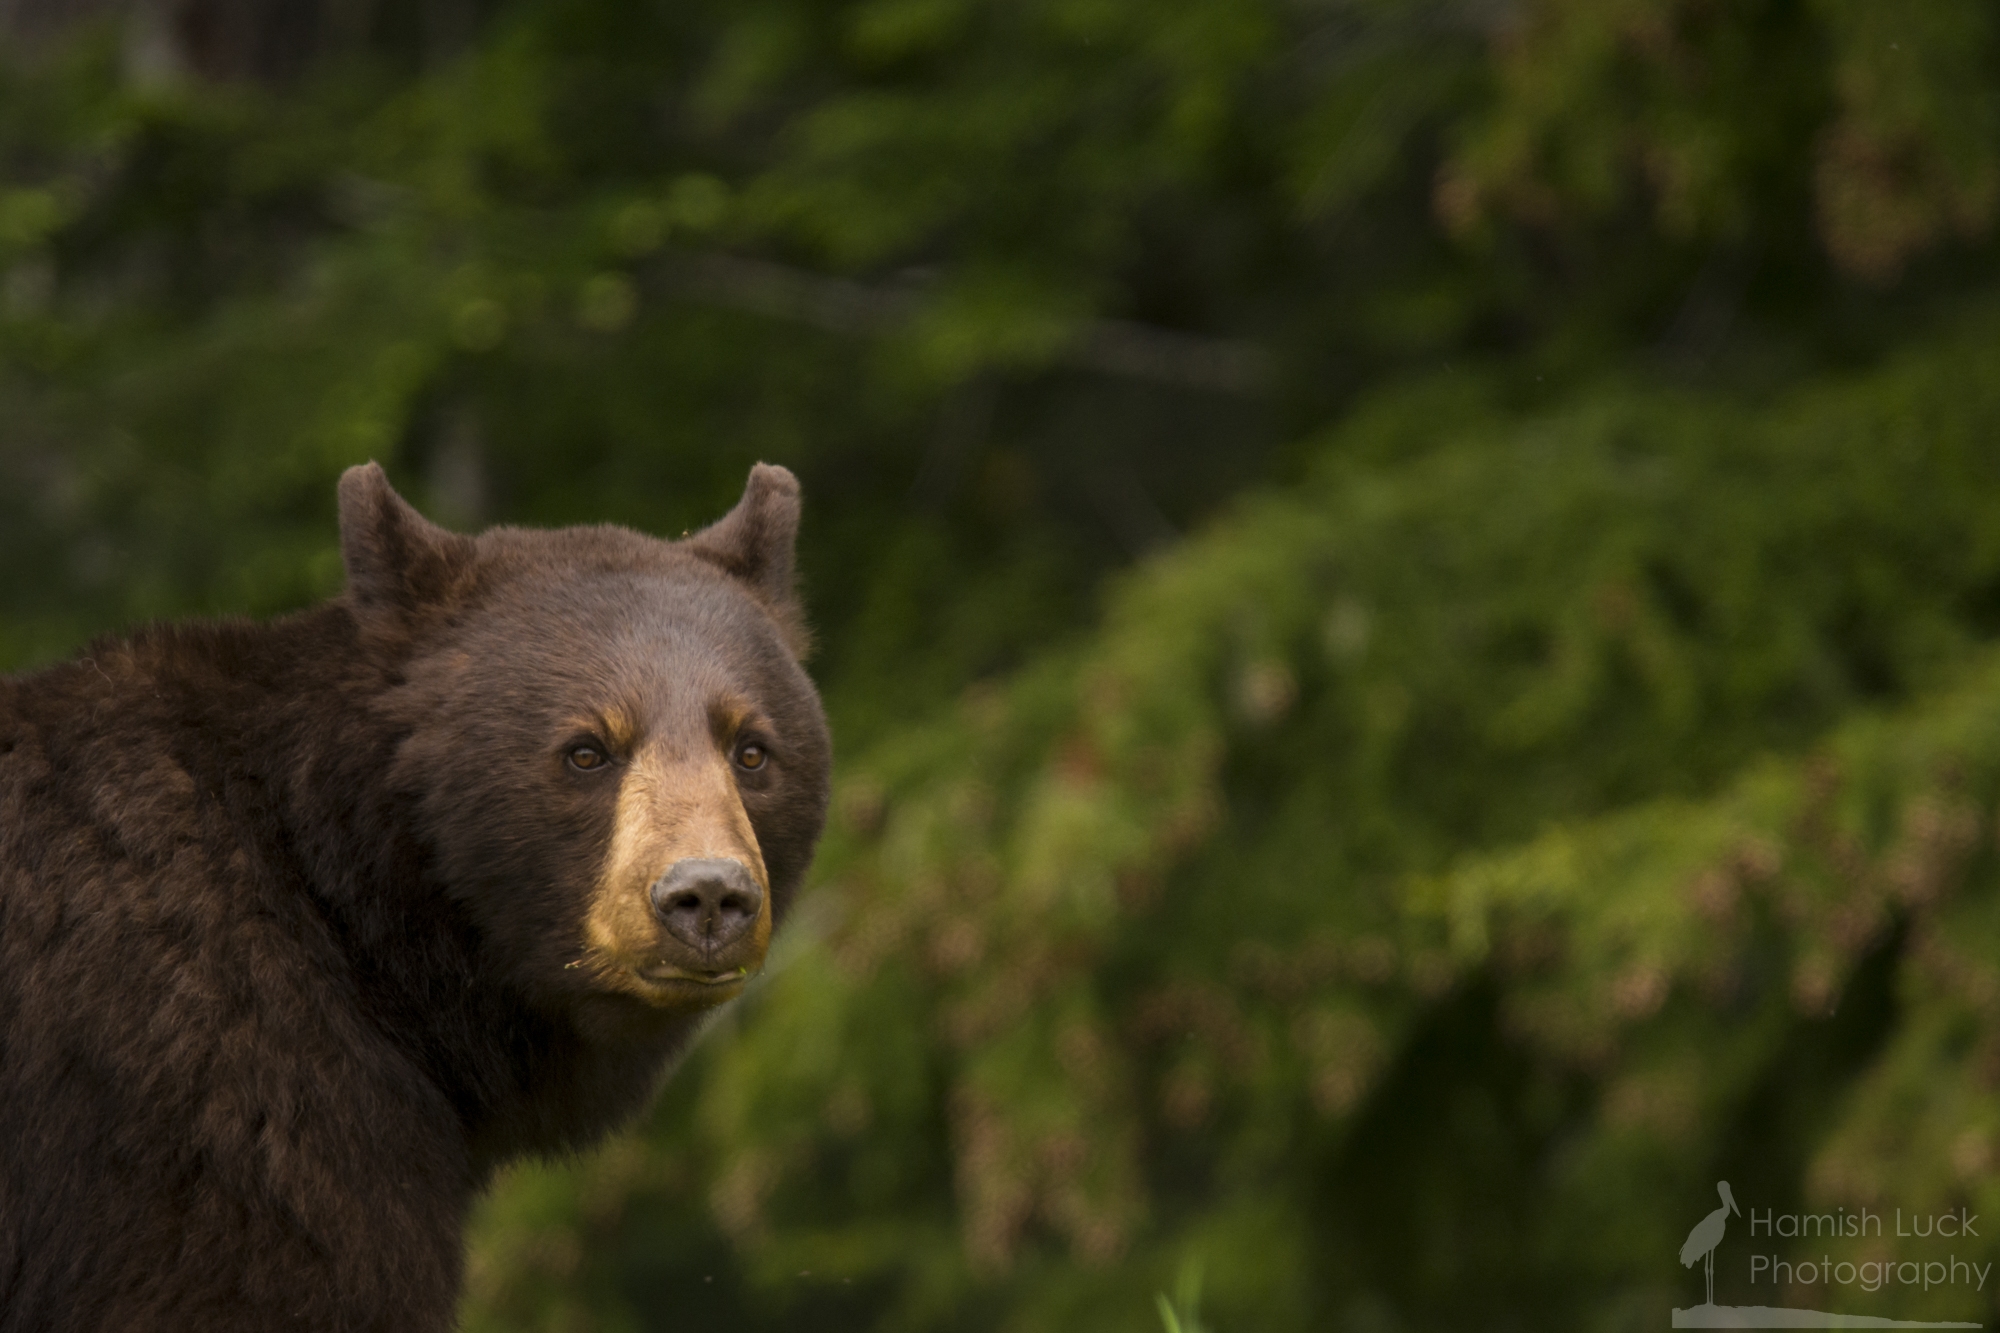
(1707, 1234)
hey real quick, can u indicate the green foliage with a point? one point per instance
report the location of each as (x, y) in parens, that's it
(1553, 771)
(1156, 945)
(1182, 1314)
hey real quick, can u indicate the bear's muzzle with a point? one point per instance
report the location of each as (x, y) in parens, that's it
(682, 916)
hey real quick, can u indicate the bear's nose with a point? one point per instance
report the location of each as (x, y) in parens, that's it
(707, 902)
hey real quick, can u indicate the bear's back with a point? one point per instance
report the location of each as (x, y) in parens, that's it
(183, 1065)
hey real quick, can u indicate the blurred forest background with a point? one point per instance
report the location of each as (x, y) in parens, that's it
(1406, 588)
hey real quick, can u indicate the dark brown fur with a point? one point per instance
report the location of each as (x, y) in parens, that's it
(287, 911)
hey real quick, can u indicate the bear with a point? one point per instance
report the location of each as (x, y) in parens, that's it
(307, 926)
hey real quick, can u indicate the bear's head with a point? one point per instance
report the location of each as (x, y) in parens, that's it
(604, 741)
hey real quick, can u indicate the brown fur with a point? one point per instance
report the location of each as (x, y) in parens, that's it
(289, 912)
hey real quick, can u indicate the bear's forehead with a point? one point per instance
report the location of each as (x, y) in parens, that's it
(516, 553)
(611, 580)
(619, 630)
(661, 607)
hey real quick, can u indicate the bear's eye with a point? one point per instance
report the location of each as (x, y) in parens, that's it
(751, 756)
(586, 757)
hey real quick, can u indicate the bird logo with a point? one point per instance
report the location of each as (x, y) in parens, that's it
(1707, 1234)
(1701, 1244)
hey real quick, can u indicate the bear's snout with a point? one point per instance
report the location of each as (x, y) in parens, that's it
(682, 912)
(708, 903)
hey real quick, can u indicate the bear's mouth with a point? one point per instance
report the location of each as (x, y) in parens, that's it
(662, 973)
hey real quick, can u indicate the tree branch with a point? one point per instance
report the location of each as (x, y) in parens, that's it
(841, 305)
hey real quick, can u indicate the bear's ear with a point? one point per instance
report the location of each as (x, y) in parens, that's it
(397, 560)
(753, 543)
